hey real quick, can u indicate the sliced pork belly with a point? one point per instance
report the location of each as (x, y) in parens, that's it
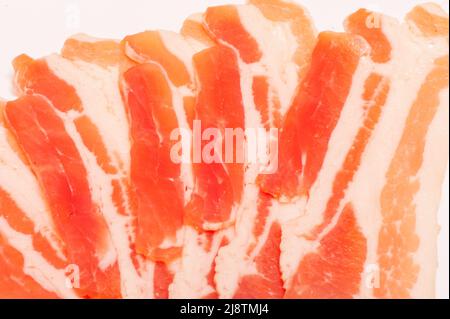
(274, 42)
(157, 101)
(158, 192)
(388, 137)
(172, 55)
(274, 39)
(174, 83)
(60, 171)
(217, 185)
(324, 99)
(88, 101)
(408, 176)
(33, 257)
(156, 179)
(203, 212)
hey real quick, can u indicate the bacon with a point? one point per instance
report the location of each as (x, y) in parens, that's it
(28, 238)
(340, 255)
(383, 207)
(269, 78)
(92, 102)
(60, 172)
(163, 50)
(217, 185)
(116, 178)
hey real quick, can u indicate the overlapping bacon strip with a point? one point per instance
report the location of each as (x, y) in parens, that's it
(274, 41)
(368, 176)
(32, 253)
(79, 151)
(181, 229)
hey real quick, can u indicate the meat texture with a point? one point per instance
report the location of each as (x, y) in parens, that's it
(116, 179)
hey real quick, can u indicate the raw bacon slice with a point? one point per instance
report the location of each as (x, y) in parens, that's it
(61, 174)
(274, 41)
(157, 191)
(101, 52)
(156, 179)
(163, 50)
(111, 146)
(388, 115)
(162, 73)
(89, 98)
(217, 185)
(152, 46)
(33, 258)
(405, 211)
(313, 116)
(313, 122)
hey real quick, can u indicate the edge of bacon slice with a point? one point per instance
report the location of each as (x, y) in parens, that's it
(274, 41)
(155, 178)
(53, 156)
(32, 255)
(88, 100)
(194, 29)
(412, 170)
(408, 130)
(217, 185)
(166, 49)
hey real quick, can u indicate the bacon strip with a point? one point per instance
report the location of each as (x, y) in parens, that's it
(269, 77)
(61, 174)
(217, 186)
(155, 178)
(401, 194)
(388, 115)
(89, 80)
(176, 275)
(340, 255)
(33, 258)
(314, 115)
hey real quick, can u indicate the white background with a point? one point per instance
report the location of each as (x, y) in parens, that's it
(40, 27)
